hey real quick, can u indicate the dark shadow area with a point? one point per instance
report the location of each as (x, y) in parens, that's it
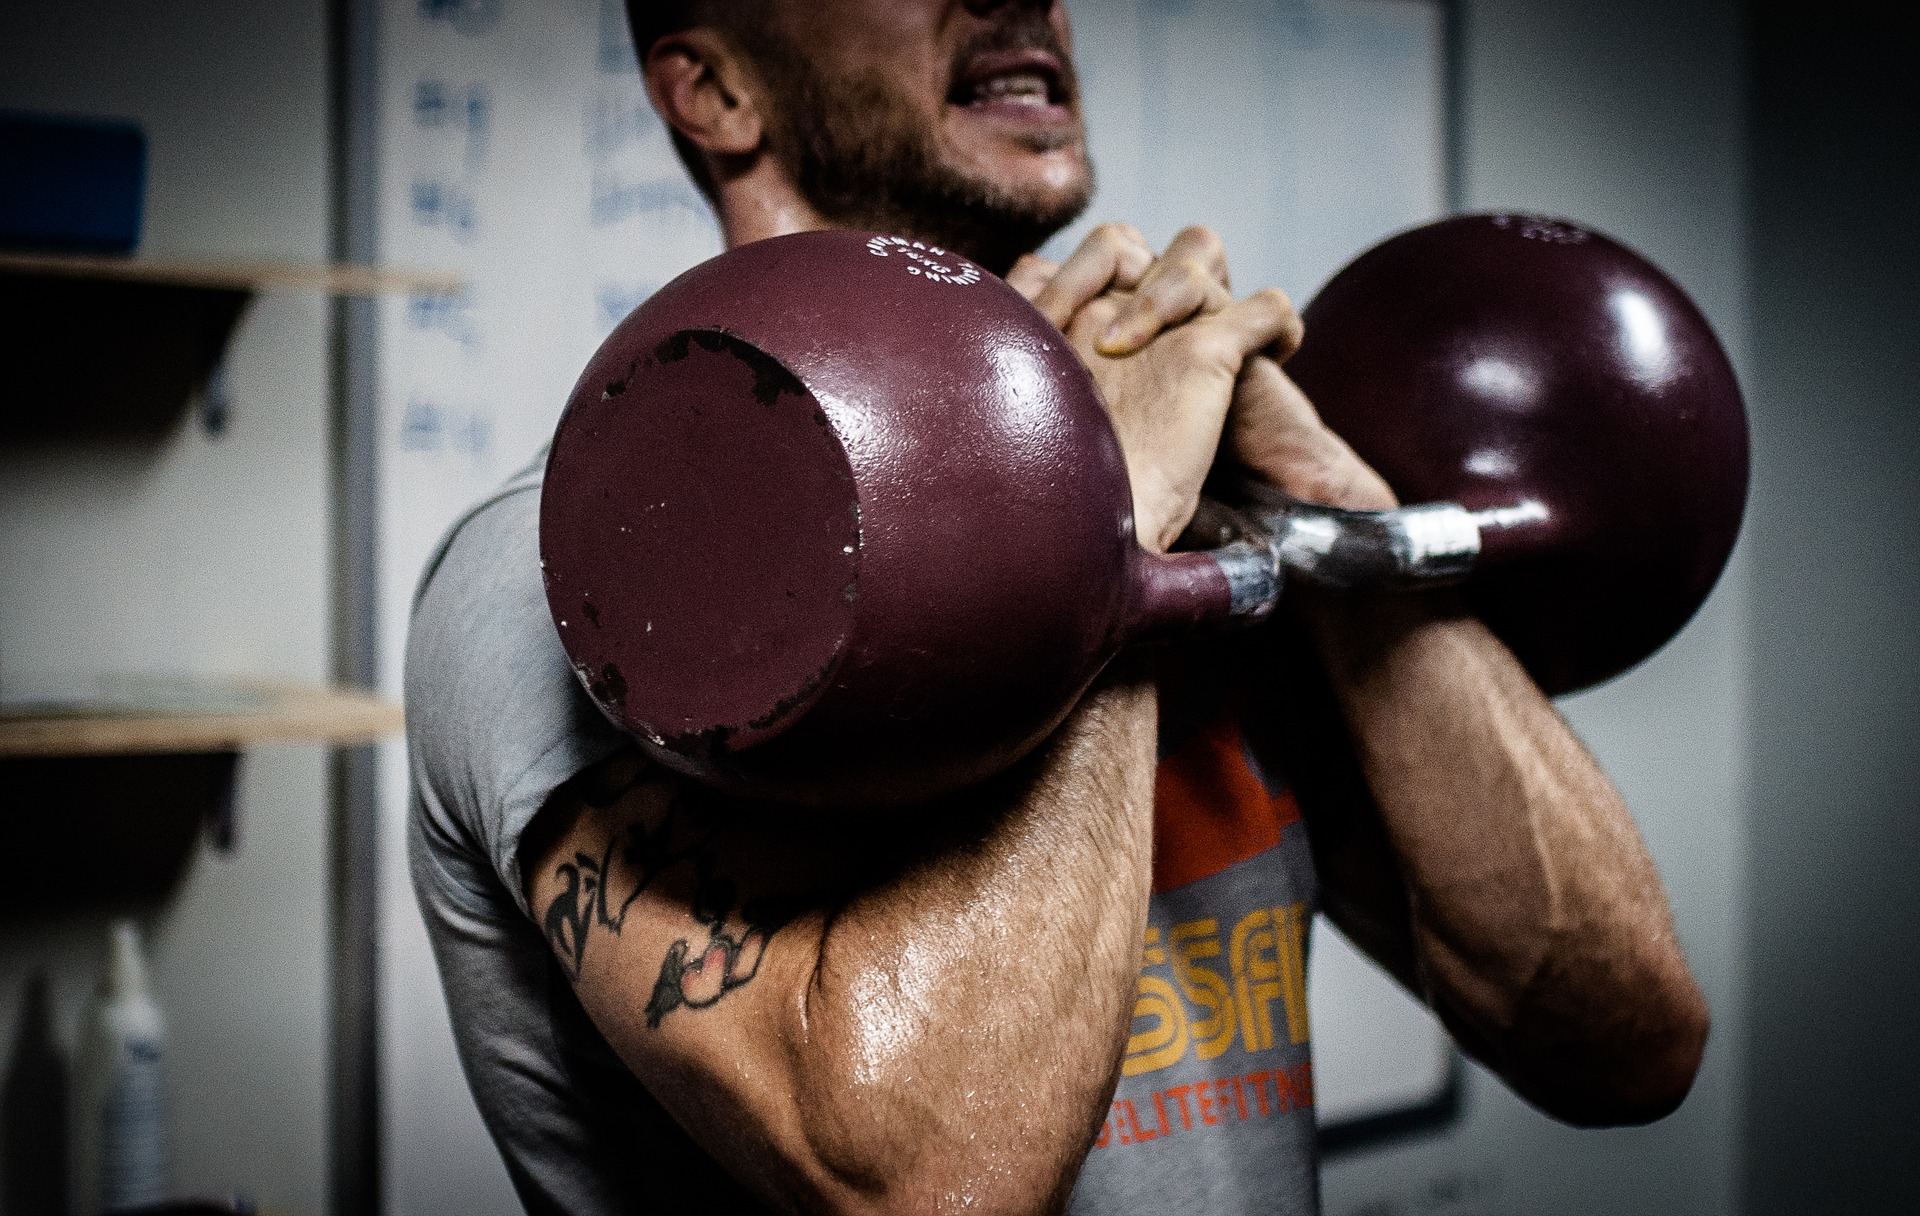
(33, 1113)
(105, 832)
(106, 359)
(1833, 1061)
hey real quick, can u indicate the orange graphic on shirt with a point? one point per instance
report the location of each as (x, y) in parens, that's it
(1208, 1103)
(1210, 811)
(1209, 808)
(1204, 1009)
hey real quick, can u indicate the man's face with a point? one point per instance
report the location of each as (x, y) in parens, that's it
(956, 121)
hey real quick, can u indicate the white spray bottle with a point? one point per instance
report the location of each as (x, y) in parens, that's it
(119, 1143)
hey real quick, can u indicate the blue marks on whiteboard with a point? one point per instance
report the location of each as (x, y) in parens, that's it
(471, 17)
(437, 204)
(612, 123)
(635, 170)
(616, 198)
(616, 40)
(437, 105)
(449, 316)
(428, 426)
(449, 109)
(614, 300)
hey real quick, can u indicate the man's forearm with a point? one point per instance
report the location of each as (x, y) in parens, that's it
(1539, 925)
(911, 1012)
(972, 1013)
(1502, 875)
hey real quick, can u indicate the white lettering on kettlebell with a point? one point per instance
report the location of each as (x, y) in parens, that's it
(929, 262)
(1534, 228)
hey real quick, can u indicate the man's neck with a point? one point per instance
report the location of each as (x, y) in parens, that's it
(761, 202)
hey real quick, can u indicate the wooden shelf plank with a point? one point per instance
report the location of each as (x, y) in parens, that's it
(275, 713)
(237, 276)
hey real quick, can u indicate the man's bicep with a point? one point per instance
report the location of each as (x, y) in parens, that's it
(688, 943)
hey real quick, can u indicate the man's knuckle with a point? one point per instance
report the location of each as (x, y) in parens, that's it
(1199, 343)
(1197, 270)
(1200, 236)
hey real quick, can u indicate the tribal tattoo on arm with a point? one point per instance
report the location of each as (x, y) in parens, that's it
(672, 845)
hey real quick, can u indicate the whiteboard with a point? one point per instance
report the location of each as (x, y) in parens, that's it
(516, 147)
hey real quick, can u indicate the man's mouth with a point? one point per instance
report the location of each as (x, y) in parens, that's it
(1026, 89)
(1016, 84)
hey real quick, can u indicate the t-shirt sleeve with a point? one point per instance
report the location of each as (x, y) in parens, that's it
(495, 718)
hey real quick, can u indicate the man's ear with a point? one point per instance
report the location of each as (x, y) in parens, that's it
(704, 89)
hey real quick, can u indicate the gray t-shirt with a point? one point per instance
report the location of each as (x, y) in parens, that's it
(1214, 1112)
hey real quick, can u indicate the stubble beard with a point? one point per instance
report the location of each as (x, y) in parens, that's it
(863, 157)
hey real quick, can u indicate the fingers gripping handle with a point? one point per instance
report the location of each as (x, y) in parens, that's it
(1178, 593)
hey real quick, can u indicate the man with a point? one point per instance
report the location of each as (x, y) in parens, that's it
(665, 1001)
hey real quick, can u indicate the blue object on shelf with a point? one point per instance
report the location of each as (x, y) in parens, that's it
(71, 184)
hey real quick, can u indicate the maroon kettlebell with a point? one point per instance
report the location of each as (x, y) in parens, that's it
(1571, 397)
(839, 519)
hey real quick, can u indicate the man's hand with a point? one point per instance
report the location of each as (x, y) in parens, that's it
(1275, 432)
(1166, 343)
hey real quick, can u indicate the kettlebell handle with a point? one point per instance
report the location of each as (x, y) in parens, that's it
(1176, 594)
(1268, 537)
(1410, 548)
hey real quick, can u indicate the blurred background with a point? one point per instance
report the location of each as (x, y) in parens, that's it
(373, 242)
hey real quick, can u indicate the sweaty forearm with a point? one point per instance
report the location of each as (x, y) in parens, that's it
(1540, 929)
(901, 1012)
(965, 1020)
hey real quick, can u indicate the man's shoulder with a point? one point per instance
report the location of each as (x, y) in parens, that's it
(509, 513)
(479, 609)
(495, 717)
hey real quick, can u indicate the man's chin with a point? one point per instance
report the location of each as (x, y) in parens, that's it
(1018, 150)
(1038, 182)
(980, 180)
(1020, 196)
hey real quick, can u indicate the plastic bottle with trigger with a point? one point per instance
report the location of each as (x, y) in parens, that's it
(119, 1146)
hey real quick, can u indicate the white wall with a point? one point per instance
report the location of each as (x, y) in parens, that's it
(199, 556)
(1628, 115)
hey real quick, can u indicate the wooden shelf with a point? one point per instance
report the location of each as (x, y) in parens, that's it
(235, 276)
(115, 348)
(253, 713)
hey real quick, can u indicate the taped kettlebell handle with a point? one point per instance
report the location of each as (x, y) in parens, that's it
(1177, 594)
(1411, 548)
(1436, 544)
(1268, 537)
